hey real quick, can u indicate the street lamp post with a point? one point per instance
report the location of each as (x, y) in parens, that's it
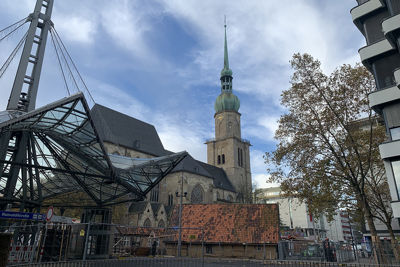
(180, 194)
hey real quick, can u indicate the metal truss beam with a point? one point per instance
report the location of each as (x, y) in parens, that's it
(33, 53)
(66, 166)
(55, 170)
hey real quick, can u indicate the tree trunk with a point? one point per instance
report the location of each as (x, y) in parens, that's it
(377, 248)
(393, 241)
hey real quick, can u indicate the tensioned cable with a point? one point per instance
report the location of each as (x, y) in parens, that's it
(65, 59)
(8, 34)
(13, 53)
(76, 69)
(24, 19)
(59, 61)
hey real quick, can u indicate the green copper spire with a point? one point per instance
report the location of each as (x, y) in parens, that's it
(226, 101)
(226, 59)
(226, 71)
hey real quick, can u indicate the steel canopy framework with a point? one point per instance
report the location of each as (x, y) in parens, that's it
(55, 150)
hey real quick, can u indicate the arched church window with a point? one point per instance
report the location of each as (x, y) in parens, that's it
(218, 196)
(240, 157)
(154, 193)
(219, 159)
(170, 200)
(147, 223)
(223, 158)
(197, 195)
(161, 224)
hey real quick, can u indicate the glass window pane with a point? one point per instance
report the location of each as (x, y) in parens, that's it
(395, 133)
(396, 173)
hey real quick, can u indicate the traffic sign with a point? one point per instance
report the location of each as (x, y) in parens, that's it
(49, 214)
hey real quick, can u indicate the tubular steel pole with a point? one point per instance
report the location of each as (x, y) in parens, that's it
(180, 218)
(86, 242)
(43, 244)
(202, 247)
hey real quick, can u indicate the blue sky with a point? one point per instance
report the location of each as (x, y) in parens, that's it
(159, 61)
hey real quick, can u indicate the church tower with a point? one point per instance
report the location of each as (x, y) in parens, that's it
(228, 150)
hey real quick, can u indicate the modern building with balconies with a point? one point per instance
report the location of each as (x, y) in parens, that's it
(379, 22)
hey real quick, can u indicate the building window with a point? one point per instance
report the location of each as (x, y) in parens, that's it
(161, 224)
(154, 193)
(219, 159)
(147, 223)
(197, 194)
(230, 198)
(218, 196)
(170, 200)
(223, 158)
(396, 174)
(209, 249)
(395, 133)
(240, 157)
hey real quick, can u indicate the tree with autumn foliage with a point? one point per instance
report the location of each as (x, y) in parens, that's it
(323, 156)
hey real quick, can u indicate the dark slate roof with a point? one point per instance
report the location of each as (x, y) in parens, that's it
(220, 179)
(121, 129)
(189, 164)
(155, 207)
(168, 210)
(138, 207)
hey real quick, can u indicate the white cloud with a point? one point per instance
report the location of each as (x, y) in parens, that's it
(257, 161)
(116, 98)
(262, 38)
(127, 22)
(260, 181)
(270, 124)
(176, 134)
(263, 127)
(76, 28)
(180, 137)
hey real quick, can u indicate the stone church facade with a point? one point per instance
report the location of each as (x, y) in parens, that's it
(225, 178)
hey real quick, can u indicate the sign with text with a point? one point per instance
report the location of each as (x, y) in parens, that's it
(4, 214)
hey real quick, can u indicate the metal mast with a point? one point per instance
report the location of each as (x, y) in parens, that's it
(24, 91)
(18, 146)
